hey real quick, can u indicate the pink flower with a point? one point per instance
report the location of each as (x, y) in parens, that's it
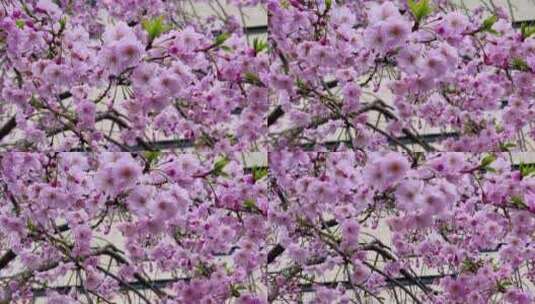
(343, 16)
(456, 288)
(350, 232)
(117, 32)
(82, 239)
(320, 191)
(143, 75)
(126, 171)
(396, 31)
(322, 55)
(164, 206)
(395, 166)
(181, 198)
(56, 74)
(140, 199)
(107, 181)
(382, 12)
(375, 176)
(434, 66)
(360, 272)
(433, 201)
(407, 193)
(351, 94)
(297, 253)
(167, 84)
(129, 50)
(188, 40)
(518, 296)
(82, 234)
(50, 8)
(86, 113)
(376, 38)
(110, 60)
(455, 23)
(250, 299)
(53, 198)
(56, 298)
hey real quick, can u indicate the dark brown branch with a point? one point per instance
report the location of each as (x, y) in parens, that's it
(8, 127)
(277, 113)
(7, 258)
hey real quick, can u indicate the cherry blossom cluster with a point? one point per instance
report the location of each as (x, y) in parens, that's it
(197, 221)
(351, 225)
(124, 75)
(339, 66)
(102, 214)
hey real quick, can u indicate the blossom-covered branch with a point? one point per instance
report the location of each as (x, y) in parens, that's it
(436, 66)
(373, 221)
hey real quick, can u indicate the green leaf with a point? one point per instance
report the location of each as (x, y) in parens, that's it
(235, 292)
(221, 38)
(506, 147)
(259, 45)
(488, 23)
(302, 86)
(527, 169)
(20, 23)
(471, 265)
(253, 79)
(62, 23)
(517, 201)
(519, 64)
(249, 204)
(487, 160)
(155, 27)
(527, 30)
(259, 173)
(204, 270)
(219, 166)
(152, 156)
(31, 226)
(502, 285)
(420, 9)
(35, 103)
(328, 4)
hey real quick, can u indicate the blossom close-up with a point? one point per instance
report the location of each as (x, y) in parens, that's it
(267, 151)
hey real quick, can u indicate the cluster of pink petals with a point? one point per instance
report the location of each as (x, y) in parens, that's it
(71, 73)
(440, 213)
(459, 72)
(181, 223)
(338, 98)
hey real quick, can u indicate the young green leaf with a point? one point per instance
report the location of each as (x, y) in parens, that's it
(259, 45)
(506, 147)
(152, 156)
(502, 285)
(527, 169)
(487, 160)
(518, 202)
(328, 4)
(253, 79)
(219, 166)
(519, 64)
(488, 23)
(154, 27)
(420, 9)
(221, 38)
(259, 173)
(527, 30)
(20, 23)
(62, 24)
(249, 204)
